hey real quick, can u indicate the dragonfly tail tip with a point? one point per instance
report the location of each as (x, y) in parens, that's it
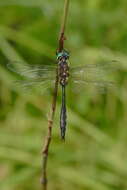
(63, 134)
(63, 139)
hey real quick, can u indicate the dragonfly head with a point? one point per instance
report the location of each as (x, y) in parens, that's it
(63, 55)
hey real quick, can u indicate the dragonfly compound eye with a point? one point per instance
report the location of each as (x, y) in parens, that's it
(66, 54)
(59, 56)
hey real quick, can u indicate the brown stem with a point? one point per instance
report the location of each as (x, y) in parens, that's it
(49, 135)
(63, 26)
(45, 150)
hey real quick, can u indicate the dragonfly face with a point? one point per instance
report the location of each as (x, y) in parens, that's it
(63, 68)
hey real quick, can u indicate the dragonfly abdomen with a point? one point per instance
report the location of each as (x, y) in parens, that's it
(63, 122)
(63, 114)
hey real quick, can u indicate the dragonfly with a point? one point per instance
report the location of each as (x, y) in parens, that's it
(95, 74)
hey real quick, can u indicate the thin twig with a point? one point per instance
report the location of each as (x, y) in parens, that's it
(48, 137)
(63, 26)
(45, 150)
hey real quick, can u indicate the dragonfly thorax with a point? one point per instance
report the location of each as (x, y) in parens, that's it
(63, 73)
(63, 68)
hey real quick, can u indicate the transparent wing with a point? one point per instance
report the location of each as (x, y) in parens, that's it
(110, 65)
(99, 86)
(34, 86)
(94, 72)
(34, 78)
(100, 76)
(32, 71)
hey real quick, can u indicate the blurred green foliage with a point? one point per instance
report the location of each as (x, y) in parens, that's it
(94, 156)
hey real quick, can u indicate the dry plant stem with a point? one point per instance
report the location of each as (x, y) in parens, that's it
(53, 108)
(48, 137)
(63, 26)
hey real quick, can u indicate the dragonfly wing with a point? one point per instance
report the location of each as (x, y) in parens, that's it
(100, 76)
(95, 73)
(34, 86)
(96, 85)
(32, 71)
(34, 78)
(104, 65)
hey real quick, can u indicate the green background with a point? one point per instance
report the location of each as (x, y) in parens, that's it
(94, 156)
